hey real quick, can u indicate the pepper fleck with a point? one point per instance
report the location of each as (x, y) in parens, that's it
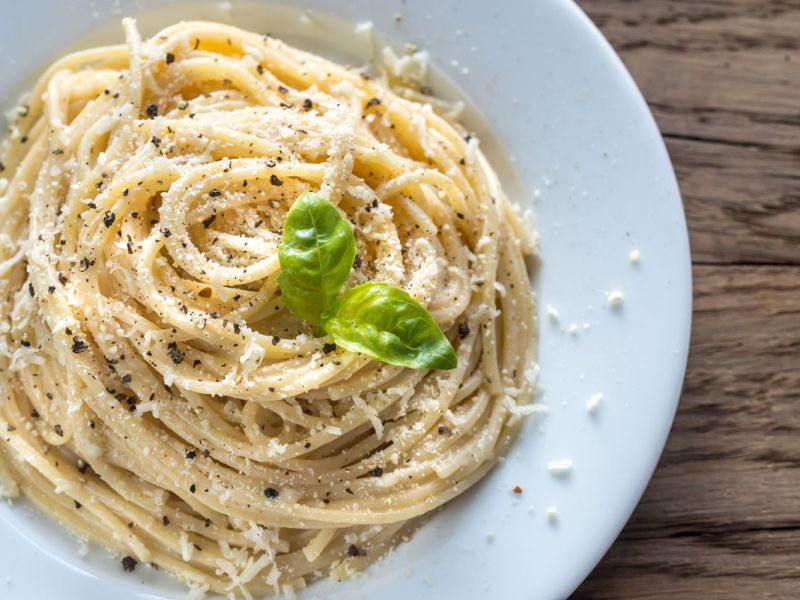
(445, 431)
(165, 520)
(193, 488)
(373, 102)
(176, 355)
(271, 493)
(129, 564)
(275, 340)
(78, 345)
(31, 291)
(152, 111)
(214, 193)
(108, 219)
(59, 431)
(328, 348)
(376, 472)
(463, 330)
(209, 220)
(170, 58)
(354, 551)
(308, 104)
(275, 180)
(191, 454)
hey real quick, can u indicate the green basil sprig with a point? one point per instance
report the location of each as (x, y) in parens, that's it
(316, 254)
(377, 319)
(386, 323)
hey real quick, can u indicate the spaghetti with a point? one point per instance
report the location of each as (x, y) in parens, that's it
(157, 396)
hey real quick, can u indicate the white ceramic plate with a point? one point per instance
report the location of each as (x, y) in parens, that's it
(572, 137)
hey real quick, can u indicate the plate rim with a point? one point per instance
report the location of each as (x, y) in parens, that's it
(657, 449)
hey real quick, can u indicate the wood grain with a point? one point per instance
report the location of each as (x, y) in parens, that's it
(723, 80)
(721, 517)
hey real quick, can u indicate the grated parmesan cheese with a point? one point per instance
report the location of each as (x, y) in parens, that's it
(552, 313)
(24, 356)
(552, 514)
(594, 403)
(186, 547)
(371, 414)
(275, 448)
(615, 299)
(251, 357)
(517, 411)
(560, 467)
(148, 406)
(409, 69)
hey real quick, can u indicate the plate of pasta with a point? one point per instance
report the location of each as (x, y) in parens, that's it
(327, 300)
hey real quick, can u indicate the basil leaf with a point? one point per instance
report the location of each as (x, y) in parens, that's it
(384, 322)
(316, 254)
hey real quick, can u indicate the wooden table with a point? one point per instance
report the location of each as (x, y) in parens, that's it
(721, 517)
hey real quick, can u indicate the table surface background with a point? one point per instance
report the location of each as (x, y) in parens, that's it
(721, 517)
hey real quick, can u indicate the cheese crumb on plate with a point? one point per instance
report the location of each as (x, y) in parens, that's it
(594, 402)
(560, 467)
(615, 298)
